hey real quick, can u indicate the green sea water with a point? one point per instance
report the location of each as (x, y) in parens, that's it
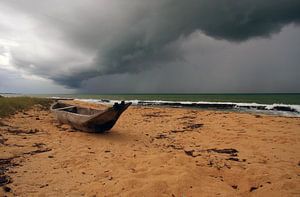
(279, 98)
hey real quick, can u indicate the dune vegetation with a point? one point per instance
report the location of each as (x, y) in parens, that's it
(11, 105)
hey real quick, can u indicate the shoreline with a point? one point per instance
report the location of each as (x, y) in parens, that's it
(280, 109)
(153, 151)
(269, 109)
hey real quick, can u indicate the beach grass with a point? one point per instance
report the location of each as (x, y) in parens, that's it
(11, 105)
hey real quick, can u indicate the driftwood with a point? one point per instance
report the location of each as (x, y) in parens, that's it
(86, 119)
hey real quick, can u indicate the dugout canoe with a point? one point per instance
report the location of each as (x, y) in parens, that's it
(87, 119)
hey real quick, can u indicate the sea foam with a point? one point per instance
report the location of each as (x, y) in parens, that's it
(274, 109)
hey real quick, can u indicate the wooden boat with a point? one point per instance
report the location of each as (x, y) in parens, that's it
(86, 119)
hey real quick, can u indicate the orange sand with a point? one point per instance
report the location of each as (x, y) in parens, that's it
(153, 152)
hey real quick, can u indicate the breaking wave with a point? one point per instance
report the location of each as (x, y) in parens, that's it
(274, 109)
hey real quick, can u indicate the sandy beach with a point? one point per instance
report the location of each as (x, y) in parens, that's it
(152, 151)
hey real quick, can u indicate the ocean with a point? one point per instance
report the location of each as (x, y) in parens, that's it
(286, 104)
(279, 98)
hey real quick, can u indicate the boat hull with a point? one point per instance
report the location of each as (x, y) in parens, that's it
(88, 120)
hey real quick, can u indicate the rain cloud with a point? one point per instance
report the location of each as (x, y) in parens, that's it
(71, 42)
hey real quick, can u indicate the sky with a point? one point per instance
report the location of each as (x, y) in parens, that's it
(157, 46)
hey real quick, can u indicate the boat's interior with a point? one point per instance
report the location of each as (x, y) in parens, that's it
(74, 109)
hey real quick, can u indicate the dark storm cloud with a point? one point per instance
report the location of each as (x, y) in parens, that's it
(266, 65)
(132, 36)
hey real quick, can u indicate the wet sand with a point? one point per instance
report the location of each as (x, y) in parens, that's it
(152, 152)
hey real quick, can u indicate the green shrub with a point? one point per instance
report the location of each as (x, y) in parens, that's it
(11, 105)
